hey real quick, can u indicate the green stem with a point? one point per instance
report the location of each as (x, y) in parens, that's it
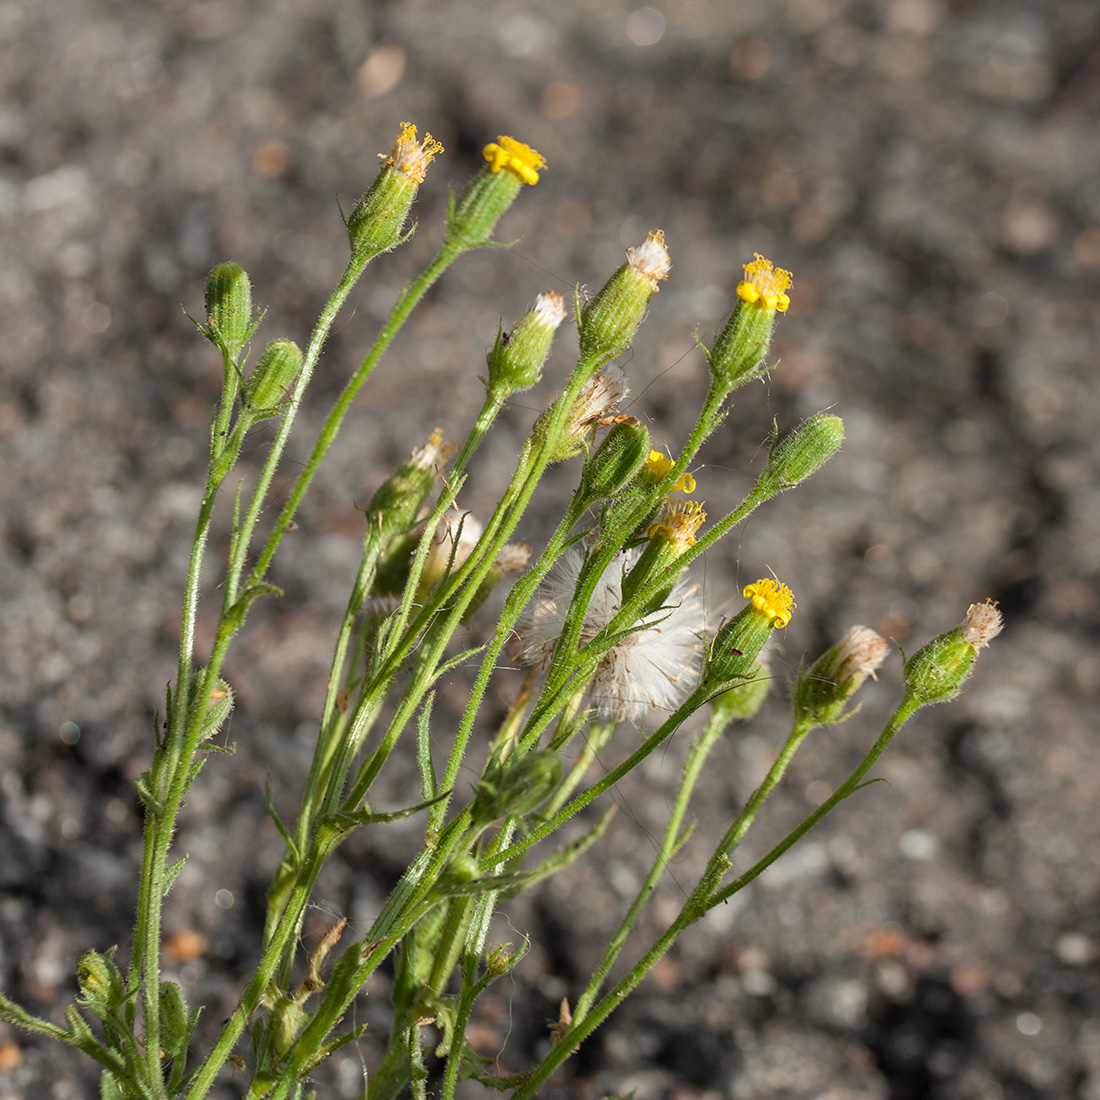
(693, 768)
(701, 900)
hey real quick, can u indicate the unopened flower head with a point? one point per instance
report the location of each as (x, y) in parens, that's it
(411, 156)
(507, 154)
(657, 468)
(681, 519)
(772, 599)
(656, 665)
(765, 285)
(982, 624)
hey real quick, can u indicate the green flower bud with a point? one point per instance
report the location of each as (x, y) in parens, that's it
(509, 165)
(743, 700)
(608, 324)
(515, 363)
(517, 787)
(801, 454)
(378, 219)
(821, 694)
(271, 377)
(228, 298)
(734, 651)
(617, 460)
(218, 709)
(937, 671)
(102, 989)
(743, 343)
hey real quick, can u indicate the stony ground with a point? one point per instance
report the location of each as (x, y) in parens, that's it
(927, 168)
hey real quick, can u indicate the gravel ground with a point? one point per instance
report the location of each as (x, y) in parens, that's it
(928, 170)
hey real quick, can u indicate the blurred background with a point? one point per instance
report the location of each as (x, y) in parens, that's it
(928, 171)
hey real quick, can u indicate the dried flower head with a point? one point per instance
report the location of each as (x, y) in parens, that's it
(598, 401)
(650, 259)
(982, 624)
(656, 665)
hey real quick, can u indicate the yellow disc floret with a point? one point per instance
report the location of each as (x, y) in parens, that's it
(765, 285)
(411, 156)
(678, 525)
(773, 599)
(519, 159)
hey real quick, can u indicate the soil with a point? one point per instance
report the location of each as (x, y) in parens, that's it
(928, 171)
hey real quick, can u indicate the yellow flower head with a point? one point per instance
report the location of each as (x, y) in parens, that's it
(772, 599)
(657, 467)
(765, 285)
(678, 525)
(519, 159)
(411, 156)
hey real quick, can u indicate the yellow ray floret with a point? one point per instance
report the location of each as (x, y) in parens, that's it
(773, 599)
(519, 159)
(765, 285)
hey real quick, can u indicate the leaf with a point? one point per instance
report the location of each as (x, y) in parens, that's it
(172, 873)
(429, 785)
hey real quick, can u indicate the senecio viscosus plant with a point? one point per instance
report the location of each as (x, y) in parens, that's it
(606, 618)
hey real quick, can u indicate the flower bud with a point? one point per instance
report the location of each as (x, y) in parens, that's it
(743, 342)
(218, 708)
(617, 460)
(821, 693)
(937, 671)
(271, 377)
(515, 363)
(228, 299)
(737, 645)
(509, 165)
(743, 700)
(377, 220)
(101, 987)
(517, 787)
(608, 323)
(801, 454)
